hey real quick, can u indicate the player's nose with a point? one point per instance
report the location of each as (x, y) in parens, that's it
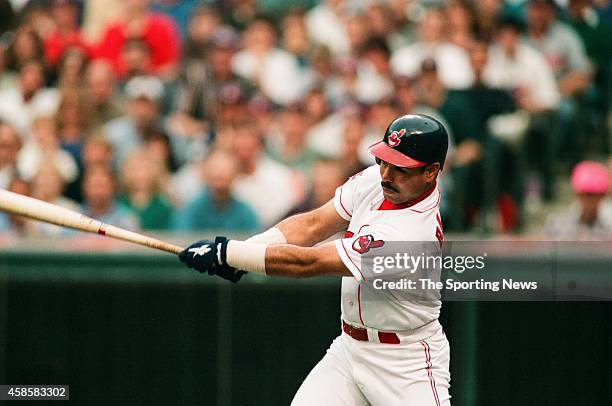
(385, 172)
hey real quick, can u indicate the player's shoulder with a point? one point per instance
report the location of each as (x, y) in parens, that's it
(371, 174)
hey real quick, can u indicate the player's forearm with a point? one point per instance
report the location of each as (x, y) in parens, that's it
(285, 260)
(302, 262)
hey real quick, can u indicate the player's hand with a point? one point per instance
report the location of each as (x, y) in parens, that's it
(209, 256)
(200, 256)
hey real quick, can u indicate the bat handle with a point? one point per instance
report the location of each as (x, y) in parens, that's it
(126, 235)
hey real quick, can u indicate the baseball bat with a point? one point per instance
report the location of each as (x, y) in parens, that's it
(38, 210)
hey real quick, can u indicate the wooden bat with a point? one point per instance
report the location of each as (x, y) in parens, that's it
(38, 210)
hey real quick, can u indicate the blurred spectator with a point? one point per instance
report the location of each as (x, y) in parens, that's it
(143, 115)
(327, 176)
(564, 52)
(36, 17)
(12, 225)
(358, 31)
(30, 99)
(158, 146)
(374, 79)
(8, 78)
(179, 10)
(100, 85)
(294, 37)
(74, 121)
(208, 83)
(10, 144)
(142, 178)
(43, 148)
(71, 69)
(380, 17)
(269, 187)
(343, 86)
(275, 71)
(156, 30)
(519, 68)
(523, 71)
(352, 138)
(135, 59)
(452, 61)
(326, 128)
(487, 14)
(326, 26)
(461, 22)
(202, 26)
(66, 33)
(48, 186)
(216, 208)
(560, 45)
(289, 146)
(590, 217)
(99, 190)
(403, 20)
(97, 151)
(494, 146)
(239, 13)
(25, 46)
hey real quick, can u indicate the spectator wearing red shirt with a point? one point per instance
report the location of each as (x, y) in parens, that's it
(67, 33)
(158, 31)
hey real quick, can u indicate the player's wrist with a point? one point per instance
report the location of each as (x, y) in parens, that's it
(246, 256)
(271, 236)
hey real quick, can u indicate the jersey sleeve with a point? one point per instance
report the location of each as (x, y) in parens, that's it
(351, 259)
(345, 196)
(381, 253)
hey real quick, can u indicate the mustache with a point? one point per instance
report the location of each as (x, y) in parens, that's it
(389, 185)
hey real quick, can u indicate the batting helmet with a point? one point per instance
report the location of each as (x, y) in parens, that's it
(413, 141)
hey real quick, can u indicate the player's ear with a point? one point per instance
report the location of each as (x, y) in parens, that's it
(431, 172)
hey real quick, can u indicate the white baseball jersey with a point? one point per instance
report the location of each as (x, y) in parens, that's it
(359, 201)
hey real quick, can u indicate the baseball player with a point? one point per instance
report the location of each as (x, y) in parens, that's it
(391, 351)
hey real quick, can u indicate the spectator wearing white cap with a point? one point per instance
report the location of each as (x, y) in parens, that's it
(590, 216)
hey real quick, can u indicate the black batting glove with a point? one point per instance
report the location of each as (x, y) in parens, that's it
(201, 256)
(210, 256)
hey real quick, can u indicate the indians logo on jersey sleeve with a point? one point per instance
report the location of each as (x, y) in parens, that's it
(365, 242)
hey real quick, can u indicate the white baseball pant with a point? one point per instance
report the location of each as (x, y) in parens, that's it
(414, 372)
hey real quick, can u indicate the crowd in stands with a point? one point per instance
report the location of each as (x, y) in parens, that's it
(233, 114)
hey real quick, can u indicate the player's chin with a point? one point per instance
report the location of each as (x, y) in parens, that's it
(390, 195)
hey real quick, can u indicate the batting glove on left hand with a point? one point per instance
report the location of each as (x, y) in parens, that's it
(210, 256)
